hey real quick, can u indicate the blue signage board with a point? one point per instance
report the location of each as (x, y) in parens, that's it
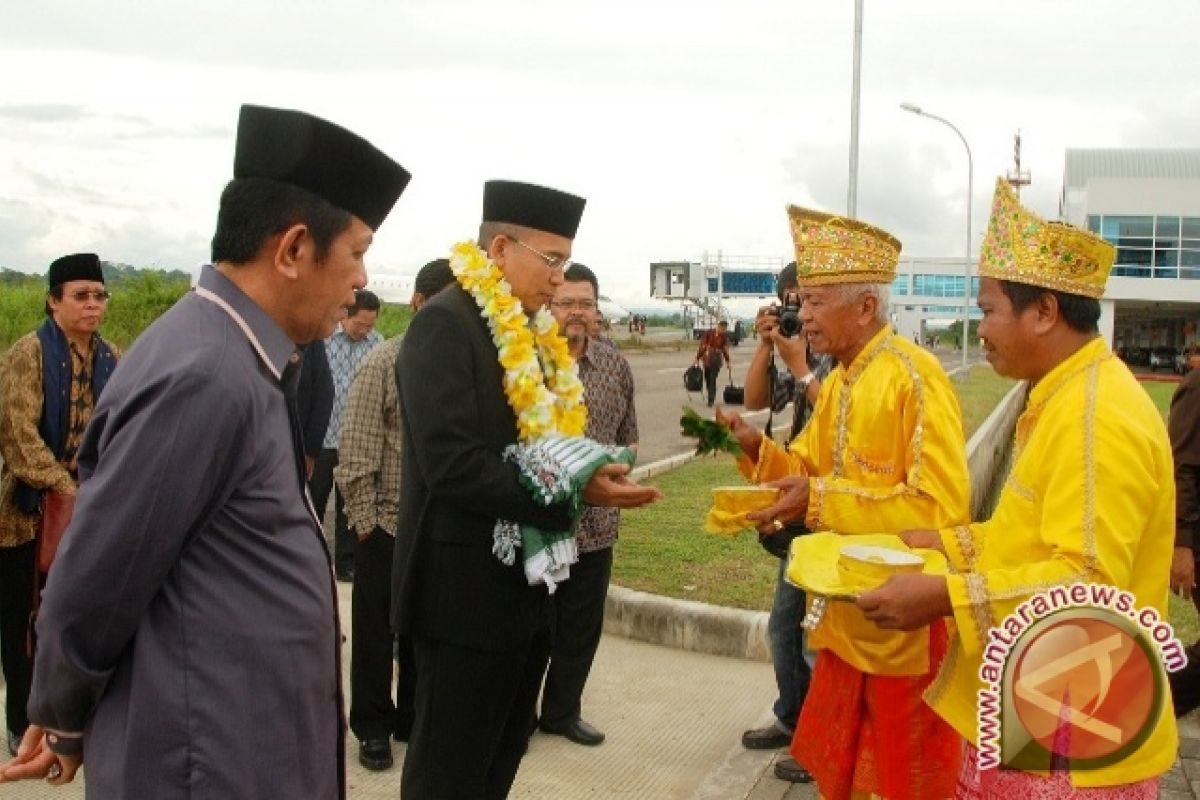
(743, 283)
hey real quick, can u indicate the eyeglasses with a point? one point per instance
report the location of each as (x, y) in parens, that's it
(570, 304)
(553, 262)
(81, 295)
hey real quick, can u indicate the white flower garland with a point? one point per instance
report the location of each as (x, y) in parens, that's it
(541, 380)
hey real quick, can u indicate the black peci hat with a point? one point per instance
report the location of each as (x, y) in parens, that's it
(76, 267)
(331, 162)
(531, 206)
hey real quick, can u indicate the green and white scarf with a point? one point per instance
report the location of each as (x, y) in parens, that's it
(554, 469)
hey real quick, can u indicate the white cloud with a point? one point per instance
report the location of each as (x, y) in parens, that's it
(688, 126)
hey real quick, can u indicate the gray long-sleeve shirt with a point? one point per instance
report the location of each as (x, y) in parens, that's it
(189, 626)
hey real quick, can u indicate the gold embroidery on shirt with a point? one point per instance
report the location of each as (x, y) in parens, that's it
(843, 413)
(882, 493)
(1030, 589)
(816, 499)
(966, 543)
(941, 681)
(871, 466)
(918, 438)
(846, 388)
(981, 603)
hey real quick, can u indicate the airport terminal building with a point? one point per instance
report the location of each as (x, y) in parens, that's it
(1147, 203)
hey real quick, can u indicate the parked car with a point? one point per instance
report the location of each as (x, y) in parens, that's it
(1135, 356)
(1162, 358)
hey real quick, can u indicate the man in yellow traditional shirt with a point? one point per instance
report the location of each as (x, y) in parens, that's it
(884, 449)
(1089, 498)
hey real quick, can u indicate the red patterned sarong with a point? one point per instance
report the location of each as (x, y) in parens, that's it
(874, 733)
(1013, 784)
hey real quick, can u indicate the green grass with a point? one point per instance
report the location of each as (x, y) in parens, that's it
(1182, 614)
(1160, 392)
(980, 395)
(393, 320)
(135, 303)
(664, 550)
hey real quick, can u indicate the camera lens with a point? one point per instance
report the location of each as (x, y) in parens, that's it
(789, 322)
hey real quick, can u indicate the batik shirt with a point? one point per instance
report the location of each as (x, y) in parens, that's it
(345, 356)
(612, 419)
(26, 456)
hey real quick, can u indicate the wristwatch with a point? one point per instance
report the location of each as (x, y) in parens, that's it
(64, 745)
(807, 379)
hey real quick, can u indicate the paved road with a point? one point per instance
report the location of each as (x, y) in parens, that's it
(658, 378)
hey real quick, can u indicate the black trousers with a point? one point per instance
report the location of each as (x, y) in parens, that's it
(1185, 684)
(474, 715)
(321, 485)
(712, 368)
(16, 606)
(373, 714)
(579, 621)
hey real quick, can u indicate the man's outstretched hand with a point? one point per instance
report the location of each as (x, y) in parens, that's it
(610, 487)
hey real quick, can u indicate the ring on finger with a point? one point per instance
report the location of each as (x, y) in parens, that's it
(55, 771)
(777, 525)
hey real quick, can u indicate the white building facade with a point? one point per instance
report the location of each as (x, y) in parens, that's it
(1147, 204)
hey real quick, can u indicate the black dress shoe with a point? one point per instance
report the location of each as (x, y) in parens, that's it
(766, 738)
(788, 769)
(578, 732)
(375, 754)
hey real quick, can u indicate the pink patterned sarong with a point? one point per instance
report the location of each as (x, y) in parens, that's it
(1012, 784)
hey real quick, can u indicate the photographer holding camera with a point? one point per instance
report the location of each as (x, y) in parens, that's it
(780, 331)
(779, 328)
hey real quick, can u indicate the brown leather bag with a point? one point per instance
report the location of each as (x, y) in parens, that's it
(56, 515)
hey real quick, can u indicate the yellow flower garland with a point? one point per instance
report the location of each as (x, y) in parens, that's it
(546, 401)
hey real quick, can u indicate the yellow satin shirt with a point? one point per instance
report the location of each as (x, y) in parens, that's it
(1090, 498)
(884, 451)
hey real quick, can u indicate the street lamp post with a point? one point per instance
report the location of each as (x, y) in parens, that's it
(970, 193)
(855, 91)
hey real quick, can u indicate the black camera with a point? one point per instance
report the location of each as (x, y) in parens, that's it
(789, 315)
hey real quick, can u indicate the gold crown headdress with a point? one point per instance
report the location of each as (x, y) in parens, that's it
(833, 249)
(1022, 247)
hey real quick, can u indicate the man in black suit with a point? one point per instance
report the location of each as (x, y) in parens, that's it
(481, 634)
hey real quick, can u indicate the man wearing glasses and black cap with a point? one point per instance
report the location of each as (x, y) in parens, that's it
(50, 380)
(475, 380)
(189, 642)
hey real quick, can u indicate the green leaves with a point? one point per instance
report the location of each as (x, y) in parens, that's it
(711, 436)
